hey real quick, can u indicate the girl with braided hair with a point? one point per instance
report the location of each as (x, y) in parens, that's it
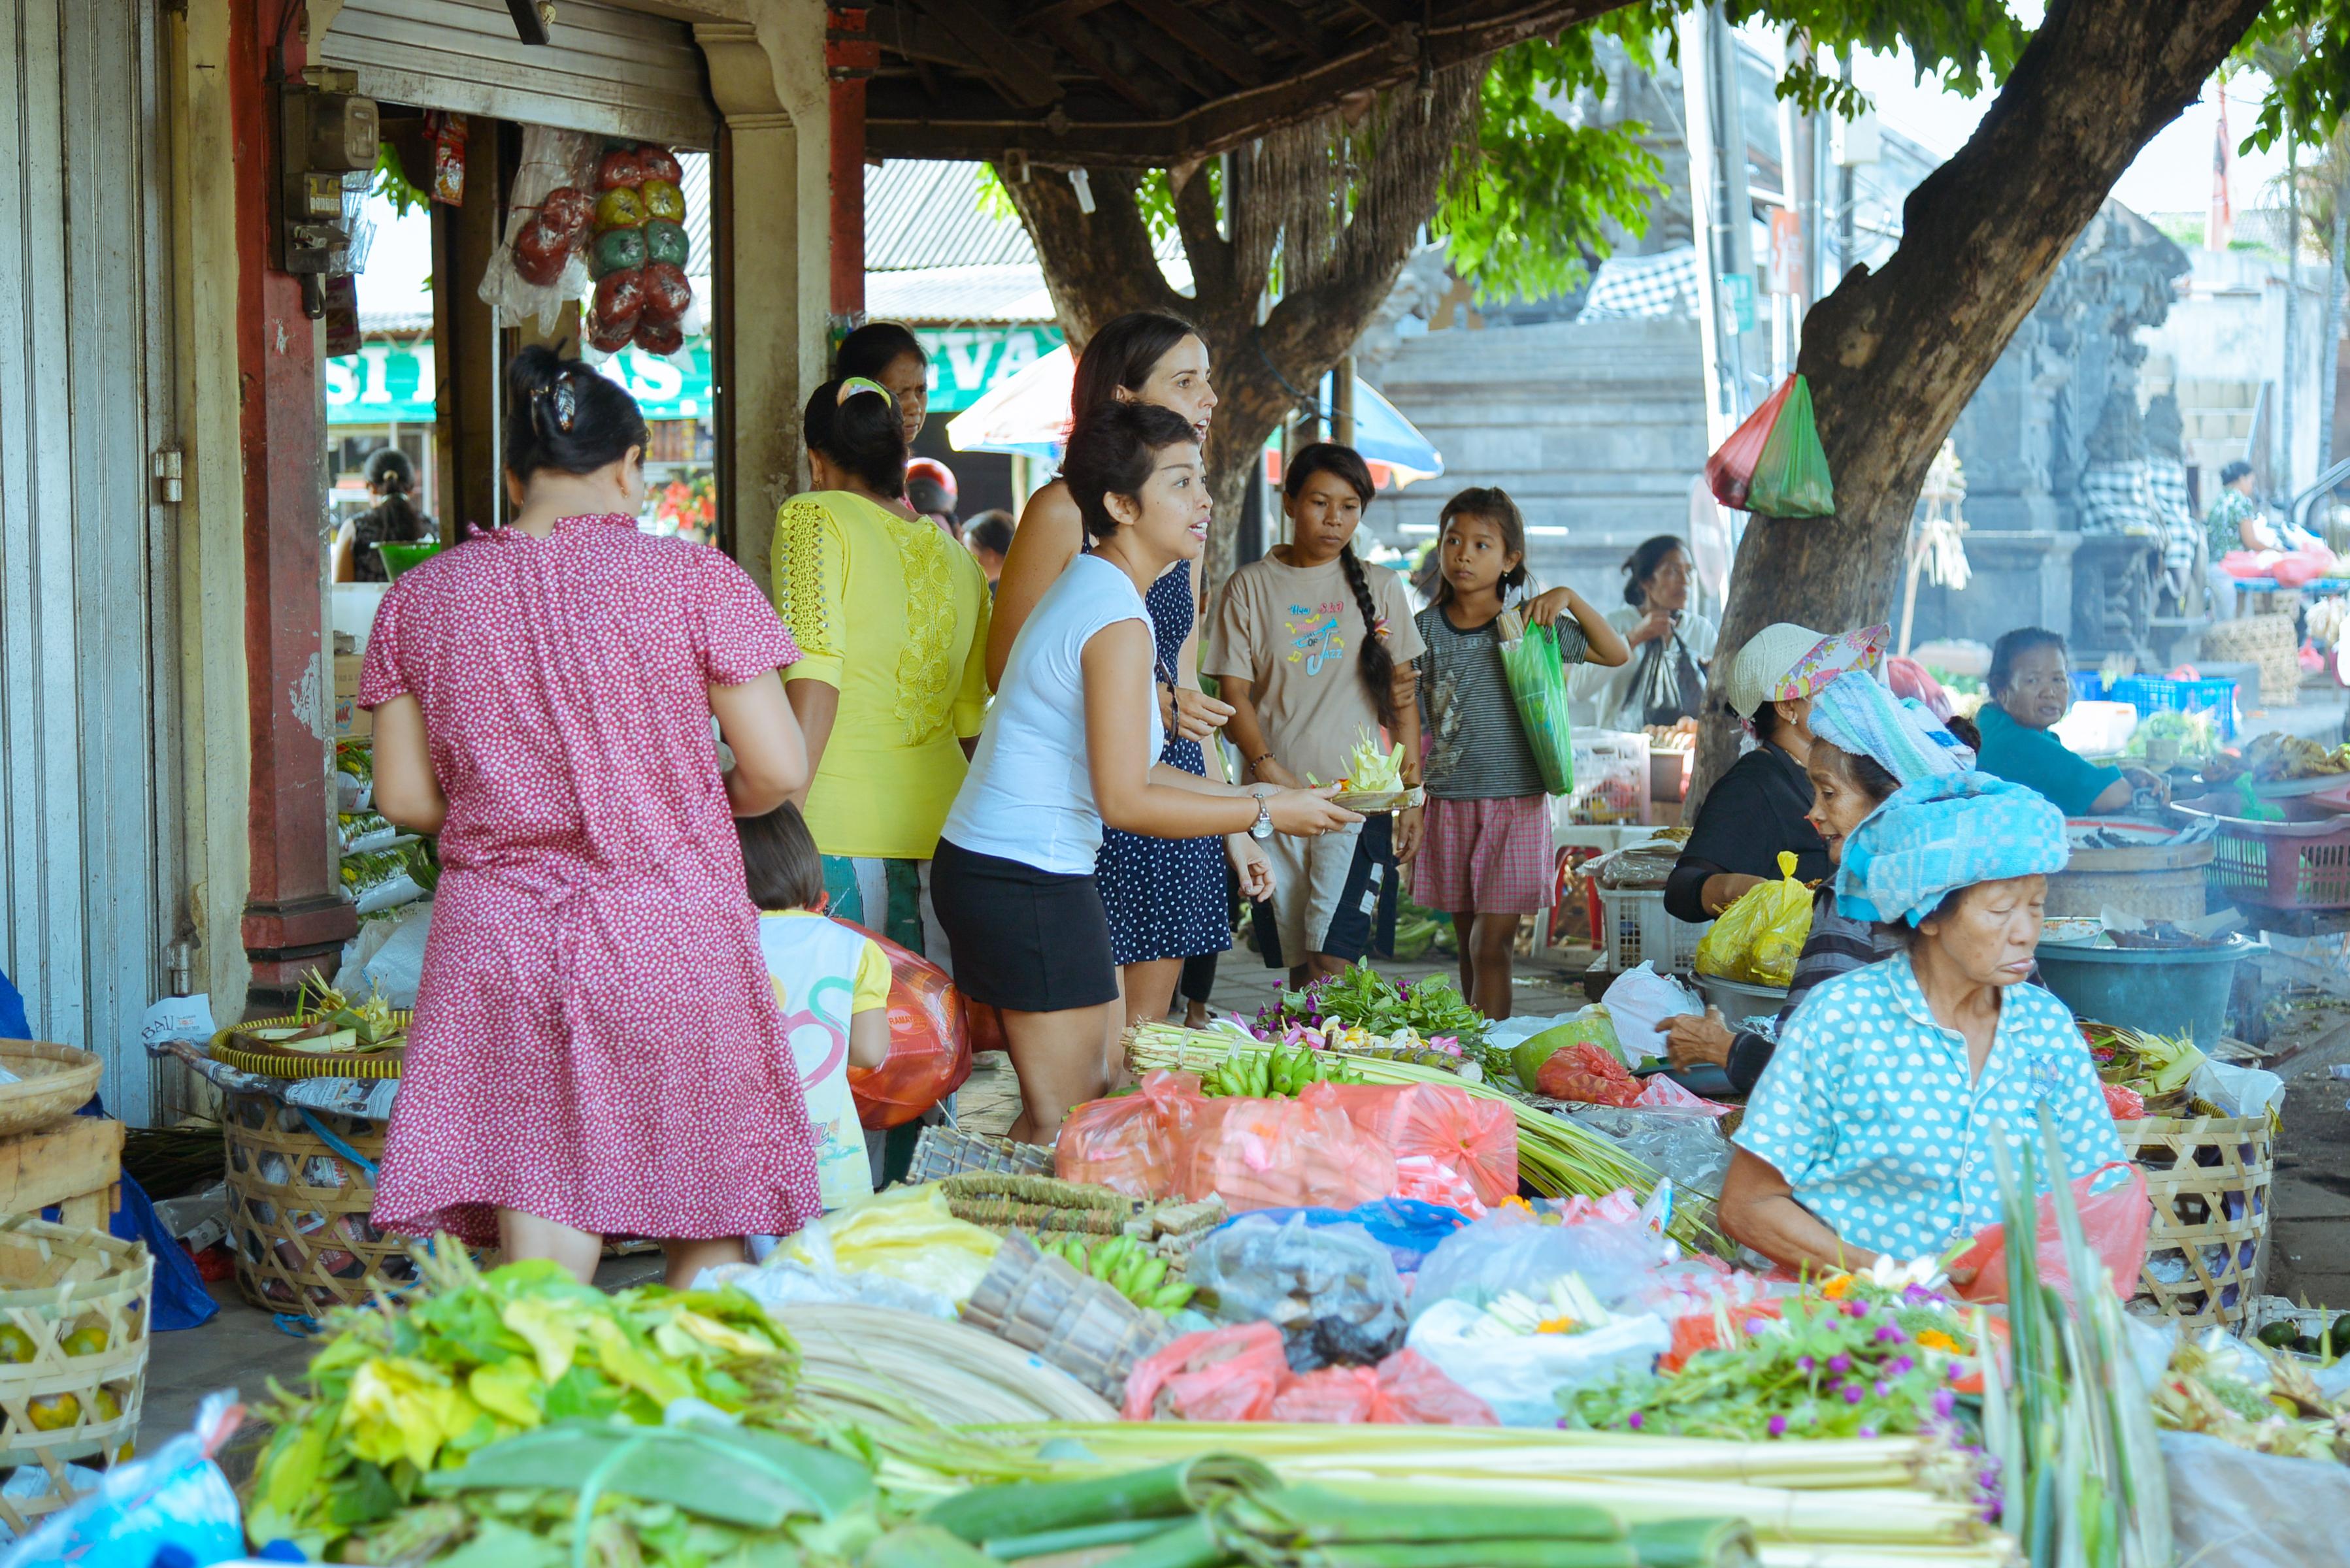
(1307, 645)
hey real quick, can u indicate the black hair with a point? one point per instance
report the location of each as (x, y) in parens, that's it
(1121, 355)
(1764, 723)
(1962, 726)
(1642, 564)
(1112, 451)
(1376, 663)
(562, 414)
(1492, 504)
(2014, 646)
(781, 867)
(864, 435)
(873, 348)
(388, 470)
(1858, 769)
(990, 531)
(2234, 472)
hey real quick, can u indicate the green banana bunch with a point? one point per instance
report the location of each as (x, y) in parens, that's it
(1120, 1262)
(1283, 1071)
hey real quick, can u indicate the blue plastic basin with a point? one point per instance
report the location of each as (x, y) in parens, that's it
(2161, 991)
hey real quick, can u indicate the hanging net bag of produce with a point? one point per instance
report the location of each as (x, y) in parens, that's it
(1791, 478)
(1758, 938)
(1530, 663)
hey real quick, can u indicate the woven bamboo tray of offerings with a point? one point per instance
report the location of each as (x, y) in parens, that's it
(297, 1209)
(73, 1357)
(2210, 1178)
(942, 1151)
(1076, 1323)
(1007, 1203)
(243, 1048)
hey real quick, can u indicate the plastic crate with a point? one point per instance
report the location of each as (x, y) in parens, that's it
(1630, 926)
(2151, 695)
(2088, 685)
(2301, 863)
(1611, 780)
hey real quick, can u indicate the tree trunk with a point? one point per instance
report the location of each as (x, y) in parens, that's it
(1893, 356)
(2329, 342)
(2288, 483)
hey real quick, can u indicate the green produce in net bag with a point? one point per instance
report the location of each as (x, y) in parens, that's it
(1530, 662)
(1791, 477)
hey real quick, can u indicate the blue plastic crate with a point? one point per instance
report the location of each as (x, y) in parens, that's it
(2088, 686)
(2155, 694)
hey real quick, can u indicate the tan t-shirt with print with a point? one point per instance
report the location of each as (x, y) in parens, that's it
(1295, 634)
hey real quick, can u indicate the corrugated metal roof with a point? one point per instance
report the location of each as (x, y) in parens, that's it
(1012, 291)
(924, 212)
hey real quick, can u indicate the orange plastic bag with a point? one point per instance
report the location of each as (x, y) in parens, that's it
(1420, 1394)
(930, 1045)
(1729, 472)
(1282, 1154)
(2114, 1222)
(1217, 1374)
(1588, 1074)
(1129, 1143)
(1474, 1139)
(1336, 1396)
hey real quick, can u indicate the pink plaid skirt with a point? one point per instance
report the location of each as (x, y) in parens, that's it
(1485, 857)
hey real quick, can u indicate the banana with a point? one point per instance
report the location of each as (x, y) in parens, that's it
(1169, 1297)
(1147, 1279)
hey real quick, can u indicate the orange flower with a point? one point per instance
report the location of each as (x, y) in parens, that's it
(1836, 1287)
(1934, 1339)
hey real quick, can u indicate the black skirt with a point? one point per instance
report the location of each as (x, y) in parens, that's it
(1032, 941)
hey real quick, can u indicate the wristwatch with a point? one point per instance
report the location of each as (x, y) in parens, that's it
(1263, 829)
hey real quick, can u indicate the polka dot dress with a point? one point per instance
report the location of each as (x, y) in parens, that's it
(595, 1039)
(1165, 897)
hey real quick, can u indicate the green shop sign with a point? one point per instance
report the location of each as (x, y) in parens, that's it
(392, 383)
(965, 361)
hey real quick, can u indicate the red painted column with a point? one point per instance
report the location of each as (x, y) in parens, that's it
(849, 57)
(295, 916)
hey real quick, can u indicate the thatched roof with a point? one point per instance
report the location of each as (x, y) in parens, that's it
(1151, 83)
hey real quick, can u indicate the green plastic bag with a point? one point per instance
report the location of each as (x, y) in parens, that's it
(1530, 662)
(1791, 477)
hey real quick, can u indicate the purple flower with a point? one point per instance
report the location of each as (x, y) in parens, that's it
(1868, 1431)
(1839, 1365)
(1806, 1364)
(1919, 1296)
(1778, 1428)
(1882, 1387)
(1952, 1372)
(1901, 1366)
(1888, 1334)
(1754, 1325)
(1945, 1401)
(1855, 1309)
(1633, 1420)
(1852, 1395)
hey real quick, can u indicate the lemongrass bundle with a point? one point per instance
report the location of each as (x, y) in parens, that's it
(863, 1361)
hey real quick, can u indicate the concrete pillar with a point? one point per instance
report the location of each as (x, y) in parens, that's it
(771, 214)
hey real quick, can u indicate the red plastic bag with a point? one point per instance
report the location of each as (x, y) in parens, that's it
(985, 1021)
(1217, 1374)
(1129, 1143)
(1336, 1396)
(2113, 1221)
(1588, 1073)
(1730, 473)
(1420, 1394)
(1474, 1139)
(2123, 1104)
(1282, 1154)
(930, 1048)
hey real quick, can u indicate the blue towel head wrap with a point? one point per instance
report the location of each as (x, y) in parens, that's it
(1942, 833)
(1855, 712)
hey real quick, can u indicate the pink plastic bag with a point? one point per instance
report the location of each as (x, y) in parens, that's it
(1729, 472)
(1217, 1374)
(1282, 1154)
(2114, 1222)
(1661, 1094)
(930, 1043)
(1420, 1394)
(1131, 1143)
(1337, 1395)
(1463, 1137)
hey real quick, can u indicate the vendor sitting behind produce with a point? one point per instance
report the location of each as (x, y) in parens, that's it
(1757, 809)
(1871, 1133)
(1865, 745)
(2031, 689)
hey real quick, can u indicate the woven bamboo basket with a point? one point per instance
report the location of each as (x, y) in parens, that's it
(297, 1210)
(58, 1283)
(53, 1082)
(2210, 1178)
(942, 1151)
(1078, 1325)
(2267, 641)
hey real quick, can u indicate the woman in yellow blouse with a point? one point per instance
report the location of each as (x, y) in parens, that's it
(891, 618)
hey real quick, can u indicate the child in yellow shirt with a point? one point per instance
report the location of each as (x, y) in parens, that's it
(832, 982)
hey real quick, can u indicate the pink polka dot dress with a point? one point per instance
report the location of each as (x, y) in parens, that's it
(595, 1042)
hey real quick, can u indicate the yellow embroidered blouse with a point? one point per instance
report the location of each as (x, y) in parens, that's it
(894, 613)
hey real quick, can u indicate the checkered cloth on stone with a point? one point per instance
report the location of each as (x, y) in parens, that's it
(1629, 286)
(2113, 499)
(2166, 486)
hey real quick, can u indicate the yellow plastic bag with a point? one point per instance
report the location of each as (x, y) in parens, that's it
(1758, 938)
(906, 1233)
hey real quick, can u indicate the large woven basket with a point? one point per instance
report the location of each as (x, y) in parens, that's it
(2210, 1177)
(57, 1284)
(297, 1209)
(2267, 641)
(53, 1082)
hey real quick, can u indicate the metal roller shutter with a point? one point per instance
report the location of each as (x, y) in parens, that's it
(608, 70)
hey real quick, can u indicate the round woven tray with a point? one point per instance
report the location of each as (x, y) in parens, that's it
(55, 1081)
(56, 1279)
(241, 1049)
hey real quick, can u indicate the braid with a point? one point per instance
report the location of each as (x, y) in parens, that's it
(1377, 665)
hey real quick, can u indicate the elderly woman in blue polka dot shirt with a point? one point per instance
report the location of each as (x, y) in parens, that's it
(1871, 1132)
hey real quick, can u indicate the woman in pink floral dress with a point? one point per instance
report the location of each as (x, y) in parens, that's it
(596, 1049)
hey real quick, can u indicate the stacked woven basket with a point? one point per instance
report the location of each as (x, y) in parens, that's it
(2210, 1179)
(2267, 641)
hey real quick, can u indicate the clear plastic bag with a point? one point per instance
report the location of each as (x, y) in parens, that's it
(1331, 1290)
(1537, 682)
(1519, 1377)
(930, 1043)
(1510, 1252)
(1408, 1228)
(1757, 938)
(1686, 1145)
(906, 1233)
(2232, 1506)
(552, 161)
